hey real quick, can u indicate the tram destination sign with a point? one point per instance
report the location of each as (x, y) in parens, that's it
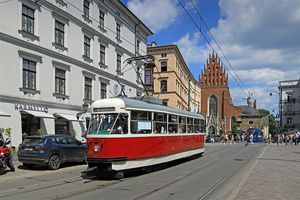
(23, 106)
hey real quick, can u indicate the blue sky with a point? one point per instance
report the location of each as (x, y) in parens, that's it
(259, 38)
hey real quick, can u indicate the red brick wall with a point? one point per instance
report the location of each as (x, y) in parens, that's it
(214, 81)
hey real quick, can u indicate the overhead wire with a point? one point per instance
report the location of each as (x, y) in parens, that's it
(93, 19)
(219, 47)
(208, 42)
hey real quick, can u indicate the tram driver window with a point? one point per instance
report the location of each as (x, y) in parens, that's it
(121, 124)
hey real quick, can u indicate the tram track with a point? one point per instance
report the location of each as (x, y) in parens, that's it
(161, 187)
(91, 184)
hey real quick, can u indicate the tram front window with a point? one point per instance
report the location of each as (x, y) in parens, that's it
(108, 123)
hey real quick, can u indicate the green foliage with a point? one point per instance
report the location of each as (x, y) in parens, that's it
(7, 131)
(264, 112)
(39, 132)
(273, 126)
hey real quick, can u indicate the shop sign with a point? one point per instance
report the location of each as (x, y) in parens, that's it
(23, 106)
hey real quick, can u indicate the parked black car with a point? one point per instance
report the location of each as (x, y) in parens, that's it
(51, 150)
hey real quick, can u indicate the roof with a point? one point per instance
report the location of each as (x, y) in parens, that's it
(133, 17)
(249, 111)
(139, 104)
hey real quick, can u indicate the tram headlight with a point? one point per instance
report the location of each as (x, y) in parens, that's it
(96, 148)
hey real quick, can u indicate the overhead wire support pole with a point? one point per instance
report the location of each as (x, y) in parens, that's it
(146, 59)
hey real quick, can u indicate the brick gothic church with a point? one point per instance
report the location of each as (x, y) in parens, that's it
(216, 102)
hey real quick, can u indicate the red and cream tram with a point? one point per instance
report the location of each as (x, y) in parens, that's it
(128, 133)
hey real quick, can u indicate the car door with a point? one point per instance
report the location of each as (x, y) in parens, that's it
(75, 149)
(60, 148)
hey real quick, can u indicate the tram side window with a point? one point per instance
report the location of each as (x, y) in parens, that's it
(202, 126)
(182, 125)
(173, 124)
(140, 122)
(160, 123)
(190, 125)
(197, 125)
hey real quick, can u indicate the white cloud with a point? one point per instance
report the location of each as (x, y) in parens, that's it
(190, 48)
(156, 14)
(261, 40)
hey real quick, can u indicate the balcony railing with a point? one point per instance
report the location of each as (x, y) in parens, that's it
(296, 112)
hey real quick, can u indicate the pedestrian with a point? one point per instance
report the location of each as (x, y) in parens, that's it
(278, 139)
(297, 138)
(269, 138)
(286, 138)
(291, 138)
(251, 138)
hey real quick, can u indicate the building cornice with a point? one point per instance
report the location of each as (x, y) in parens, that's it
(15, 99)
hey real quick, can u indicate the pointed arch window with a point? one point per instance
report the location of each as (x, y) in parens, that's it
(213, 105)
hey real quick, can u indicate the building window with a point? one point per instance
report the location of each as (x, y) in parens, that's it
(87, 46)
(87, 88)
(164, 66)
(86, 8)
(102, 54)
(289, 120)
(148, 76)
(289, 98)
(118, 31)
(163, 85)
(29, 74)
(27, 19)
(101, 18)
(165, 102)
(164, 55)
(103, 91)
(59, 33)
(137, 50)
(60, 81)
(118, 63)
(289, 108)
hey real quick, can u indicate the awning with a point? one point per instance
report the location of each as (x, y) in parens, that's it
(3, 114)
(68, 117)
(38, 114)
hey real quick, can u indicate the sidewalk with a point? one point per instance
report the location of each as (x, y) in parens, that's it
(276, 175)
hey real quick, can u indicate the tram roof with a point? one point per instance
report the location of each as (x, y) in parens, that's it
(131, 104)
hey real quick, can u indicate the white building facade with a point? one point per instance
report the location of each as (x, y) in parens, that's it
(289, 111)
(57, 55)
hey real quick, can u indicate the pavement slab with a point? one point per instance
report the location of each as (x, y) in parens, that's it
(275, 176)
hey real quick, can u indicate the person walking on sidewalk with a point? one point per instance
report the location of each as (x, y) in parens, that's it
(297, 138)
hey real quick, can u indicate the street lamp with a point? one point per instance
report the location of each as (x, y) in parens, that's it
(280, 108)
(85, 106)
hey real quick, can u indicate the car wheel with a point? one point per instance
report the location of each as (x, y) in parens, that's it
(54, 162)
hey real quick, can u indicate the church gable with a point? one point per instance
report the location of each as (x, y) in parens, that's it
(213, 74)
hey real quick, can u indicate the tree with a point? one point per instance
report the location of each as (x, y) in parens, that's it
(273, 126)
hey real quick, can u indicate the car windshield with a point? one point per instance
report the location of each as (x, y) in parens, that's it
(102, 124)
(33, 141)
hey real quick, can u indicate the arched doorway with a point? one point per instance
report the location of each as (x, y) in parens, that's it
(211, 131)
(212, 115)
